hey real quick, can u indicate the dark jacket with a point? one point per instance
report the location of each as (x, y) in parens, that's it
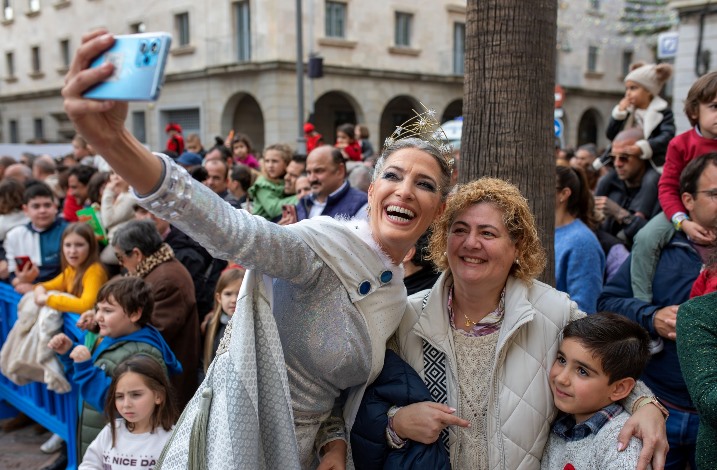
(400, 385)
(642, 199)
(660, 136)
(345, 203)
(678, 267)
(203, 269)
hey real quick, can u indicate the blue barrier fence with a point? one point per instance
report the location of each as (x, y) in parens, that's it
(56, 412)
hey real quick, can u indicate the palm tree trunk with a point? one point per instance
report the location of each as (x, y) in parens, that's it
(509, 100)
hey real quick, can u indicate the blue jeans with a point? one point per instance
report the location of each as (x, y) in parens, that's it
(682, 437)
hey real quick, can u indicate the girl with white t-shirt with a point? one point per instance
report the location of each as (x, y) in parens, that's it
(141, 394)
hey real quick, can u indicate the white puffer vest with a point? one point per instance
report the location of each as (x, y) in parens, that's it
(520, 407)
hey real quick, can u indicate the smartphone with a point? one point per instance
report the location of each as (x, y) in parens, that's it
(139, 61)
(289, 209)
(21, 261)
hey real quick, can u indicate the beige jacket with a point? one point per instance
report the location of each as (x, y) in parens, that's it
(520, 406)
(25, 356)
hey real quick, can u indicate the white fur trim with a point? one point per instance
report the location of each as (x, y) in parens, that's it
(617, 114)
(646, 149)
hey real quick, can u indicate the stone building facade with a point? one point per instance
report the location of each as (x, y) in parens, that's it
(232, 64)
(592, 61)
(696, 51)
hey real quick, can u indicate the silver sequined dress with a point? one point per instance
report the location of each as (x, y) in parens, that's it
(326, 341)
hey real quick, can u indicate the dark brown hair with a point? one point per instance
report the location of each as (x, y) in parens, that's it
(704, 90)
(348, 129)
(93, 256)
(165, 414)
(580, 201)
(621, 345)
(690, 177)
(131, 293)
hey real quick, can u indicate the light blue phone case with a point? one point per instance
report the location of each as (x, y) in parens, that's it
(139, 61)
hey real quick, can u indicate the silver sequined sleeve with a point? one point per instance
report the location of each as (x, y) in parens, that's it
(226, 232)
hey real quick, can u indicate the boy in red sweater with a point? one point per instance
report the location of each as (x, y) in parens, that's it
(701, 110)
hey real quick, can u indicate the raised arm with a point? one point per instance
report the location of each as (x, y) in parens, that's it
(170, 192)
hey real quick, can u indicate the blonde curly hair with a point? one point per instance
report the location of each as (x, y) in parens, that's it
(517, 217)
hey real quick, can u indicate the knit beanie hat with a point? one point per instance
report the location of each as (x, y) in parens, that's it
(650, 76)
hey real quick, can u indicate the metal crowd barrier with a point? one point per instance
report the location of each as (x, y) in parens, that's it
(58, 413)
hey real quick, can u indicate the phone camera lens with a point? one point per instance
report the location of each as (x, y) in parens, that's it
(143, 47)
(155, 47)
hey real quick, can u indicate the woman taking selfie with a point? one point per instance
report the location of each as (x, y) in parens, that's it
(335, 291)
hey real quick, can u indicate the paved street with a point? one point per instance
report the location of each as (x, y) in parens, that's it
(20, 449)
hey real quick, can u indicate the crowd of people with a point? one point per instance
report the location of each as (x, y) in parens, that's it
(388, 317)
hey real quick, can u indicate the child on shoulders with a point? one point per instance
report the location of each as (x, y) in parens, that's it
(642, 107)
(599, 361)
(124, 308)
(701, 110)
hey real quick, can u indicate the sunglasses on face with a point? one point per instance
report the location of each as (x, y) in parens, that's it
(622, 157)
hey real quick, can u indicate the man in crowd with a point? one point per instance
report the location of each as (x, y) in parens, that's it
(627, 197)
(218, 180)
(331, 193)
(219, 152)
(294, 169)
(584, 157)
(19, 172)
(679, 264)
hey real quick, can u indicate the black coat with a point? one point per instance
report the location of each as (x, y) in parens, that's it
(400, 385)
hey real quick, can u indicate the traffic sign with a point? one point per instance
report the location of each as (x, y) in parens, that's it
(667, 45)
(558, 123)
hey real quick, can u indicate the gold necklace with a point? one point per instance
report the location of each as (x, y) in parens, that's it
(499, 309)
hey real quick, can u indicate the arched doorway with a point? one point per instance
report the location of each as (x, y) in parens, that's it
(243, 114)
(333, 109)
(588, 127)
(396, 112)
(453, 110)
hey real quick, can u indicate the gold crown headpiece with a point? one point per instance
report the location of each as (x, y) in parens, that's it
(426, 127)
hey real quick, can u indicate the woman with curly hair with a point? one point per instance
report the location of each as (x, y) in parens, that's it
(484, 338)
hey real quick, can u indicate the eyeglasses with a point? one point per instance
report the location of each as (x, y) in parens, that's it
(711, 193)
(622, 157)
(122, 256)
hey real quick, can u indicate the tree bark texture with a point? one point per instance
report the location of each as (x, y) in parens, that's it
(509, 100)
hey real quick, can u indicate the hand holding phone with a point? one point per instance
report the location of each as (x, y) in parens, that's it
(288, 215)
(139, 61)
(21, 262)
